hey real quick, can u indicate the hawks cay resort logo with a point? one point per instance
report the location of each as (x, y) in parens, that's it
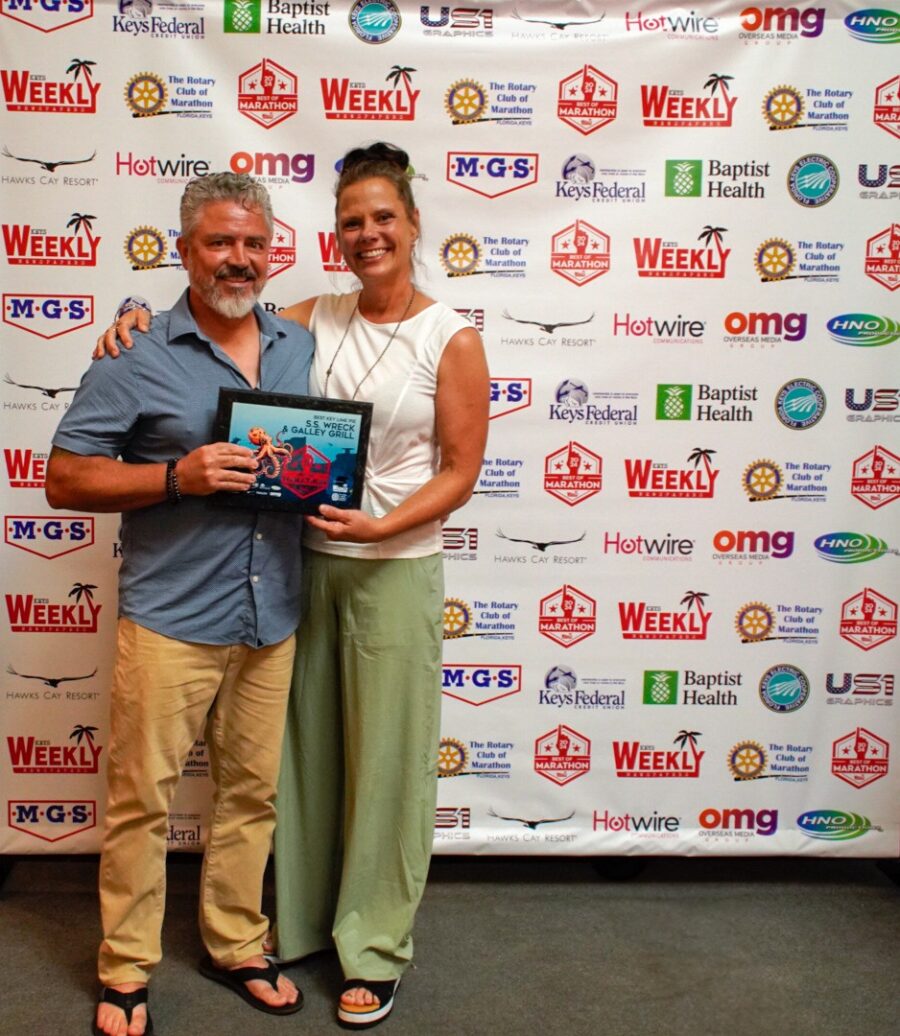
(49, 404)
(685, 178)
(47, 316)
(868, 619)
(175, 20)
(663, 105)
(573, 473)
(567, 616)
(572, 404)
(656, 257)
(282, 17)
(879, 175)
(562, 689)
(778, 259)
(504, 103)
(149, 94)
(765, 480)
(646, 477)
(267, 93)
(492, 173)
(633, 759)
(579, 252)
(33, 246)
(825, 108)
(749, 761)
(587, 99)
(27, 613)
(456, 22)
(562, 755)
(666, 687)
(347, 99)
(874, 25)
(757, 622)
(48, 537)
(47, 15)
(764, 330)
(714, 402)
(50, 166)
(883, 257)
(569, 339)
(780, 25)
(52, 691)
(504, 255)
(876, 477)
(542, 552)
(480, 683)
(813, 180)
(33, 755)
(581, 180)
(674, 24)
(872, 404)
(800, 404)
(639, 620)
(27, 91)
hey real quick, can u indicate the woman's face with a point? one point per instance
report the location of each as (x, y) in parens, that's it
(375, 232)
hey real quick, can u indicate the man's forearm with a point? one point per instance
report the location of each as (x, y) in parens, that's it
(100, 484)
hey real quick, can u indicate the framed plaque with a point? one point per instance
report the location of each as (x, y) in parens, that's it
(310, 450)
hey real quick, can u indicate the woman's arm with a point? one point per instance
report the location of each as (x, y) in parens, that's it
(461, 421)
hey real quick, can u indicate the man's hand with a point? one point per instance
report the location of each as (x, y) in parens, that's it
(216, 467)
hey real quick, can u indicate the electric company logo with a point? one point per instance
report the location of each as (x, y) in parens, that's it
(375, 21)
(665, 106)
(47, 15)
(736, 823)
(784, 688)
(345, 99)
(587, 99)
(850, 548)
(509, 395)
(267, 93)
(48, 537)
(868, 619)
(283, 250)
(646, 477)
(783, 24)
(573, 473)
(478, 684)
(490, 173)
(579, 252)
(567, 616)
(860, 689)
(641, 621)
(632, 759)
(886, 113)
(860, 757)
(834, 825)
(813, 180)
(883, 257)
(330, 253)
(457, 21)
(874, 25)
(863, 329)
(25, 468)
(29, 614)
(25, 91)
(752, 545)
(876, 477)
(562, 755)
(33, 755)
(800, 404)
(48, 316)
(52, 820)
(658, 258)
(33, 246)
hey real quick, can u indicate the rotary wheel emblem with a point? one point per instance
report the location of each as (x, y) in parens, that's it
(763, 480)
(754, 622)
(466, 101)
(783, 107)
(146, 94)
(457, 618)
(775, 259)
(145, 247)
(452, 757)
(747, 760)
(460, 255)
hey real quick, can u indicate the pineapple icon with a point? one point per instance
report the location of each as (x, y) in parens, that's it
(683, 181)
(242, 15)
(673, 402)
(684, 178)
(661, 687)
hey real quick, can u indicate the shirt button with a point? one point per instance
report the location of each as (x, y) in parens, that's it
(255, 579)
(259, 535)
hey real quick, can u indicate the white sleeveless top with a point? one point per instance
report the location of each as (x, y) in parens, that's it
(403, 450)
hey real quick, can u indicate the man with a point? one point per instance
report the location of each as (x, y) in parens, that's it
(208, 601)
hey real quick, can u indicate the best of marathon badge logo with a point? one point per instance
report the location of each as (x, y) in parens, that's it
(579, 252)
(52, 820)
(860, 757)
(573, 473)
(47, 16)
(887, 106)
(492, 173)
(267, 93)
(640, 621)
(283, 250)
(32, 246)
(29, 614)
(649, 478)
(48, 316)
(345, 99)
(567, 616)
(24, 91)
(868, 619)
(587, 99)
(562, 755)
(876, 477)
(48, 537)
(664, 106)
(33, 755)
(632, 759)
(883, 257)
(658, 258)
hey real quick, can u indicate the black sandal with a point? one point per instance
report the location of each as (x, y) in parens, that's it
(235, 980)
(364, 1016)
(127, 1002)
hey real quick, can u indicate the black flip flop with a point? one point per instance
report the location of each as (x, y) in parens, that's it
(127, 1002)
(235, 980)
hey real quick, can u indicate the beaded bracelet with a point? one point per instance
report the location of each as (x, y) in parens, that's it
(173, 490)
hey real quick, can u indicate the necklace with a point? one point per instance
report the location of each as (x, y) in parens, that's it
(380, 356)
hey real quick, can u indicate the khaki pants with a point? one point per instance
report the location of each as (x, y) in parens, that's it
(163, 693)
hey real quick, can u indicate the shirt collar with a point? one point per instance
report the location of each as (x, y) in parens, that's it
(182, 323)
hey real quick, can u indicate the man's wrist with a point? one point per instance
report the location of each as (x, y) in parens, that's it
(173, 490)
(129, 303)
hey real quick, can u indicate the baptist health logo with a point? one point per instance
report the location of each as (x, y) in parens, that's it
(684, 178)
(673, 402)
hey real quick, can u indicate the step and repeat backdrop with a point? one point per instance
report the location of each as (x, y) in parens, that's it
(671, 613)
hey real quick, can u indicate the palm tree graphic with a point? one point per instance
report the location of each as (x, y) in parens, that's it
(689, 737)
(80, 590)
(397, 73)
(715, 81)
(81, 220)
(698, 454)
(79, 65)
(79, 732)
(694, 598)
(709, 234)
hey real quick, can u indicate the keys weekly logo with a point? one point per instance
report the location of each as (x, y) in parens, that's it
(641, 621)
(633, 759)
(25, 468)
(33, 755)
(29, 614)
(658, 258)
(33, 246)
(665, 106)
(646, 477)
(346, 99)
(26, 91)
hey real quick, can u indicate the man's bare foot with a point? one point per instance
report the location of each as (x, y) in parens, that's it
(286, 993)
(111, 1018)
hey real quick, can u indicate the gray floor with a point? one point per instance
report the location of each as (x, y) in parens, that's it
(504, 946)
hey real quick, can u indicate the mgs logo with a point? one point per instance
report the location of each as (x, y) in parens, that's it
(860, 757)
(52, 820)
(48, 316)
(876, 477)
(567, 616)
(587, 100)
(562, 755)
(47, 15)
(580, 253)
(868, 619)
(479, 684)
(573, 473)
(492, 174)
(509, 395)
(267, 93)
(48, 537)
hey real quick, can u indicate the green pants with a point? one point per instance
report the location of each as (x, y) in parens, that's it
(358, 782)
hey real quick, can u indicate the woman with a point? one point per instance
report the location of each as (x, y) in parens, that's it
(358, 784)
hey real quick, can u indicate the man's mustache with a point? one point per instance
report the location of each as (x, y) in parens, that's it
(231, 272)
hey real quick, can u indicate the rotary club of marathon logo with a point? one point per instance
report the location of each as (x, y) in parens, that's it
(868, 619)
(562, 755)
(860, 757)
(148, 94)
(573, 473)
(876, 477)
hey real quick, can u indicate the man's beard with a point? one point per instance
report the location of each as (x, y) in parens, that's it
(225, 301)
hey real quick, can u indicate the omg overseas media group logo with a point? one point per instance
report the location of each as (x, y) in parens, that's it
(782, 25)
(760, 329)
(47, 15)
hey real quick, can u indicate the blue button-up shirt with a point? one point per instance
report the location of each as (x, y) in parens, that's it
(193, 571)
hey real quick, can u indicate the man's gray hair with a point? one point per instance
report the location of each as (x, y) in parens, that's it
(223, 187)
